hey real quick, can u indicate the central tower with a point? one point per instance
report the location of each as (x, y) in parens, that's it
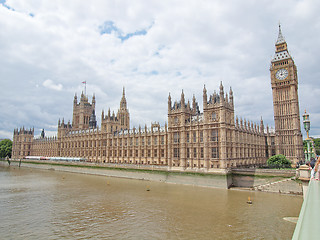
(284, 82)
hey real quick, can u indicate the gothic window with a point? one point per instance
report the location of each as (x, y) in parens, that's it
(155, 141)
(214, 152)
(142, 154)
(194, 136)
(188, 137)
(176, 137)
(137, 153)
(137, 141)
(213, 116)
(176, 152)
(162, 152)
(195, 152)
(176, 120)
(214, 135)
(155, 153)
(162, 140)
(142, 141)
(201, 136)
(188, 153)
(201, 152)
(149, 152)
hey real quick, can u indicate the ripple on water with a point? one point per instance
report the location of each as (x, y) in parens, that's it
(74, 206)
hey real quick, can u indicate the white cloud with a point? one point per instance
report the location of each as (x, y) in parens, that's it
(186, 44)
(51, 85)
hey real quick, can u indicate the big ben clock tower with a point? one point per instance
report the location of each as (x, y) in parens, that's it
(284, 82)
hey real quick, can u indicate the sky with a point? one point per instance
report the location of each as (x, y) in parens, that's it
(152, 48)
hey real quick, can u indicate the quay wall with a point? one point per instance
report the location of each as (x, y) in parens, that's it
(159, 175)
(248, 179)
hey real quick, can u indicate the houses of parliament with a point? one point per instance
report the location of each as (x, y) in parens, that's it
(208, 141)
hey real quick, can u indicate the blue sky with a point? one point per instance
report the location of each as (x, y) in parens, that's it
(48, 48)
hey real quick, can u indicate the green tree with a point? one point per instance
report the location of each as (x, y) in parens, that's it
(5, 148)
(278, 161)
(316, 145)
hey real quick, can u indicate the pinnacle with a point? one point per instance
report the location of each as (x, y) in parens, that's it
(280, 36)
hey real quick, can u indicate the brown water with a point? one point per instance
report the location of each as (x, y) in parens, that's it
(43, 204)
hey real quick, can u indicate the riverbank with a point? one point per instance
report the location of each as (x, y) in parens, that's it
(277, 181)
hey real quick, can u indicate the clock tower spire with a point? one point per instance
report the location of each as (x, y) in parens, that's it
(284, 82)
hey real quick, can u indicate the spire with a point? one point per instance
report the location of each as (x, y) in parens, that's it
(194, 104)
(280, 37)
(221, 91)
(75, 100)
(93, 121)
(93, 99)
(182, 100)
(205, 97)
(123, 102)
(261, 125)
(169, 103)
(231, 96)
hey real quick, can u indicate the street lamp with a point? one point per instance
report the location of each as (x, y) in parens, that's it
(306, 125)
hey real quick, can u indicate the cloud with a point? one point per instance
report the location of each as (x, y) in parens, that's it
(51, 85)
(152, 48)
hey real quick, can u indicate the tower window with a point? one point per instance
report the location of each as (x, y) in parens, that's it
(176, 137)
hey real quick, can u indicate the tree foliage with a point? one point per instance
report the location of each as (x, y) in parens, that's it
(278, 161)
(5, 148)
(316, 145)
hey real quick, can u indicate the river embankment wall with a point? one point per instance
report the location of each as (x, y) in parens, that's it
(249, 179)
(198, 179)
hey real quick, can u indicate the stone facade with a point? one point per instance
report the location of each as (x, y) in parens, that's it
(192, 140)
(284, 82)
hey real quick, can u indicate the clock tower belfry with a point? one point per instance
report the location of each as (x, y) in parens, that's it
(284, 82)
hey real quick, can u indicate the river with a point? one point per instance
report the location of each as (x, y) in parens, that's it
(44, 204)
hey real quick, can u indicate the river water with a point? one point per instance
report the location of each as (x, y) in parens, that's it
(44, 204)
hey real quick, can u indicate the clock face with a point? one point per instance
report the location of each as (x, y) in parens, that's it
(282, 74)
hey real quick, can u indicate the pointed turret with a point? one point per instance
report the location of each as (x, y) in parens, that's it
(93, 121)
(169, 103)
(281, 44)
(75, 100)
(182, 100)
(194, 103)
(231, 96)
(280, 36)
(261, 126)
(205, 97)
(123, 102)
(221, 91)
(94, 100)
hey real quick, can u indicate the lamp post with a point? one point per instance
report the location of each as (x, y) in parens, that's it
(306, 125)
